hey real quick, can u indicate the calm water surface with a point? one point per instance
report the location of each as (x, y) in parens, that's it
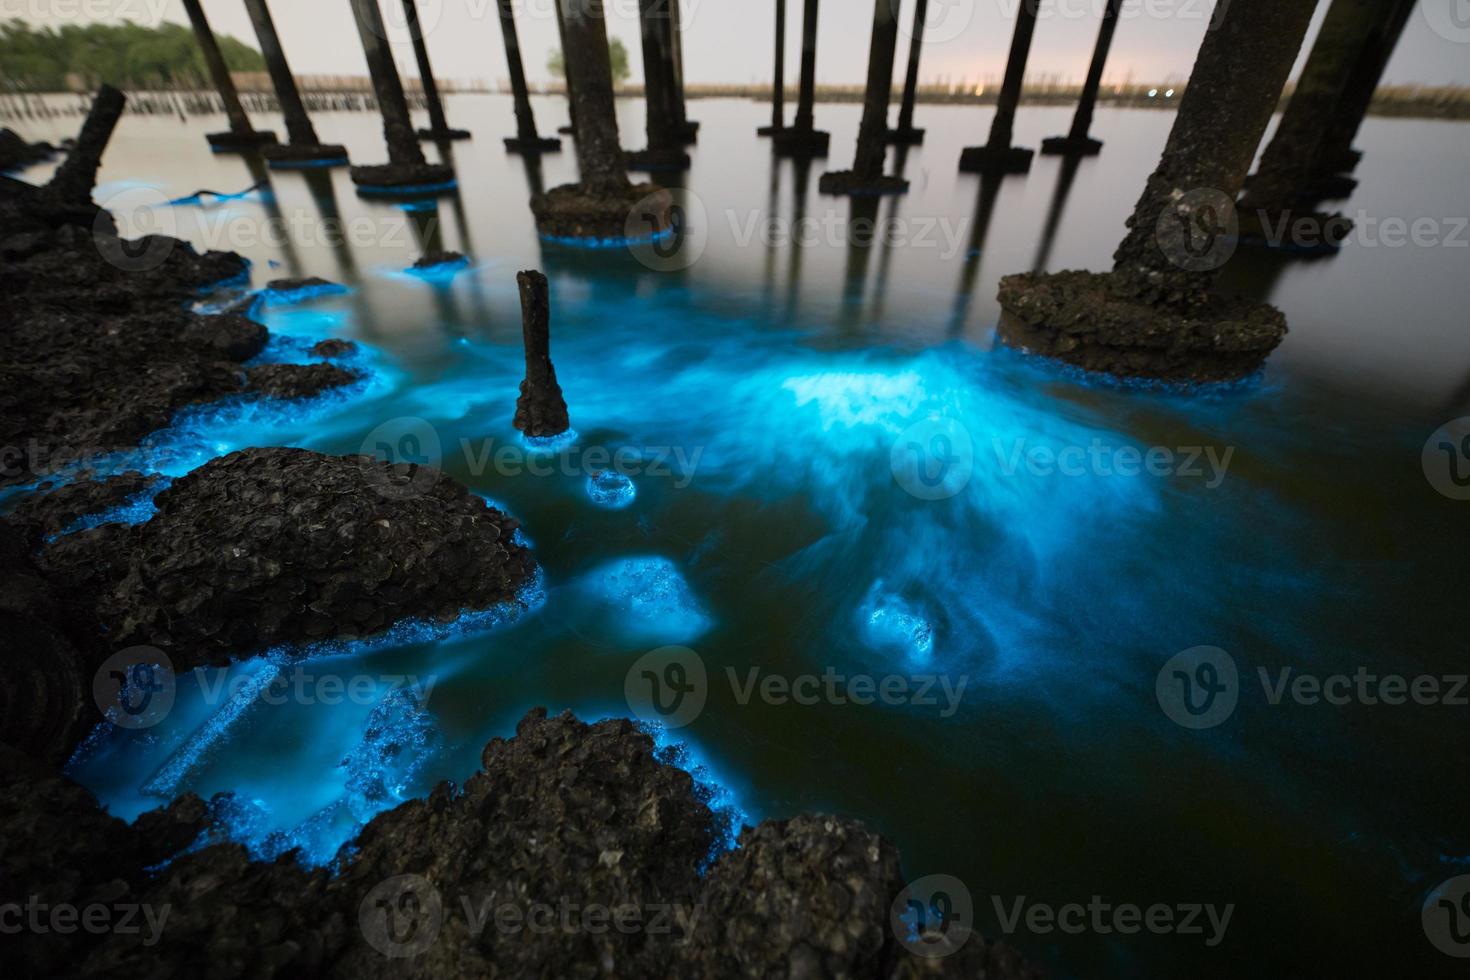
(778, 380)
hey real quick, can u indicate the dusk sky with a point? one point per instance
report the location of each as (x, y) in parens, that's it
(730, 40)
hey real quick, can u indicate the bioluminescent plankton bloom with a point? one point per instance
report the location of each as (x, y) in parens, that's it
(734, 490)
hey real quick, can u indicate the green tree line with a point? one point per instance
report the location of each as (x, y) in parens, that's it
(124, 54)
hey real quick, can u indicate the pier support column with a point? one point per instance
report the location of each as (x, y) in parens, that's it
(866, 175)
(688, 131)
(439, 128)
(802, 139)
(665, 146)
(304, 149)
(998, 156)
(604, 204)
(561, 32)
(778, 83)
(241, 135)
(905, 133)
(407, 172)
(1155, 315)
(1336, 155)
(541, 411)
(526, 139)
(1270, 201)
(1078, 142)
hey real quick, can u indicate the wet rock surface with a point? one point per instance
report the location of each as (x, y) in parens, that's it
(273, 546)
(564, 817)
(16, 152)
(293, 381)
(575, 212)
(333, 348)
(438, 257)
(1080, 318)
(52, 509)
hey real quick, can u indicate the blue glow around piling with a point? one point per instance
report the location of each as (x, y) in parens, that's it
(549, 444)
(211, 198)
(307, 164)
(651, 600)
(406, 190)
(440, 274)
(611, 490)
(412, 206)
(617, 241)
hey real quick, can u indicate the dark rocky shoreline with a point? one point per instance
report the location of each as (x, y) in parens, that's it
(287, 547)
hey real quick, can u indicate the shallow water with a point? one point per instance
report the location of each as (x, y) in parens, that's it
(790, 410)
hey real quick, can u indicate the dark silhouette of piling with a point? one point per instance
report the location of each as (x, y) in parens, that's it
(866, 175)
(241, 135)
(802, 138)
(1336, 155)
(665, 145)
(688, 131)
(1288, 164)
(1078, 142)
(604, 203)
(526, 139)
(905, 133)
(541, 411)
(74, 179)
(406, 168)
(1155, 315)
(778, 84)
(304, 149)
(561, 32)
(998, 155)
(439, 128)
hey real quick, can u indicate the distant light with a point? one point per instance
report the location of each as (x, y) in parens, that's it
(1152, 92)
(1169, 94)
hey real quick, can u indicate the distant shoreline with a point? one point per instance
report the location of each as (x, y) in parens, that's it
(352, 94)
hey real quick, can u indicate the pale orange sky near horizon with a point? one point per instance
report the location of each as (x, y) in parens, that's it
(731, 41)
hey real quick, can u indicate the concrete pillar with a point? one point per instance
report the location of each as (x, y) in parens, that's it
(866, 175)
(74, 179)
(688, 131)
(526, 140)
(802, 138)
(1336, 155)
(778, 83)
(589, 72)
(1078, 142)
(604, 206)
(905, 133)
(407, 172)
(1155, 315)
(304, 149)
(398, 131)
(665, 146)
(999, 156)
(241, 134)
(438, 125)
(541, 411)
(561, 32)
(1292, 153)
